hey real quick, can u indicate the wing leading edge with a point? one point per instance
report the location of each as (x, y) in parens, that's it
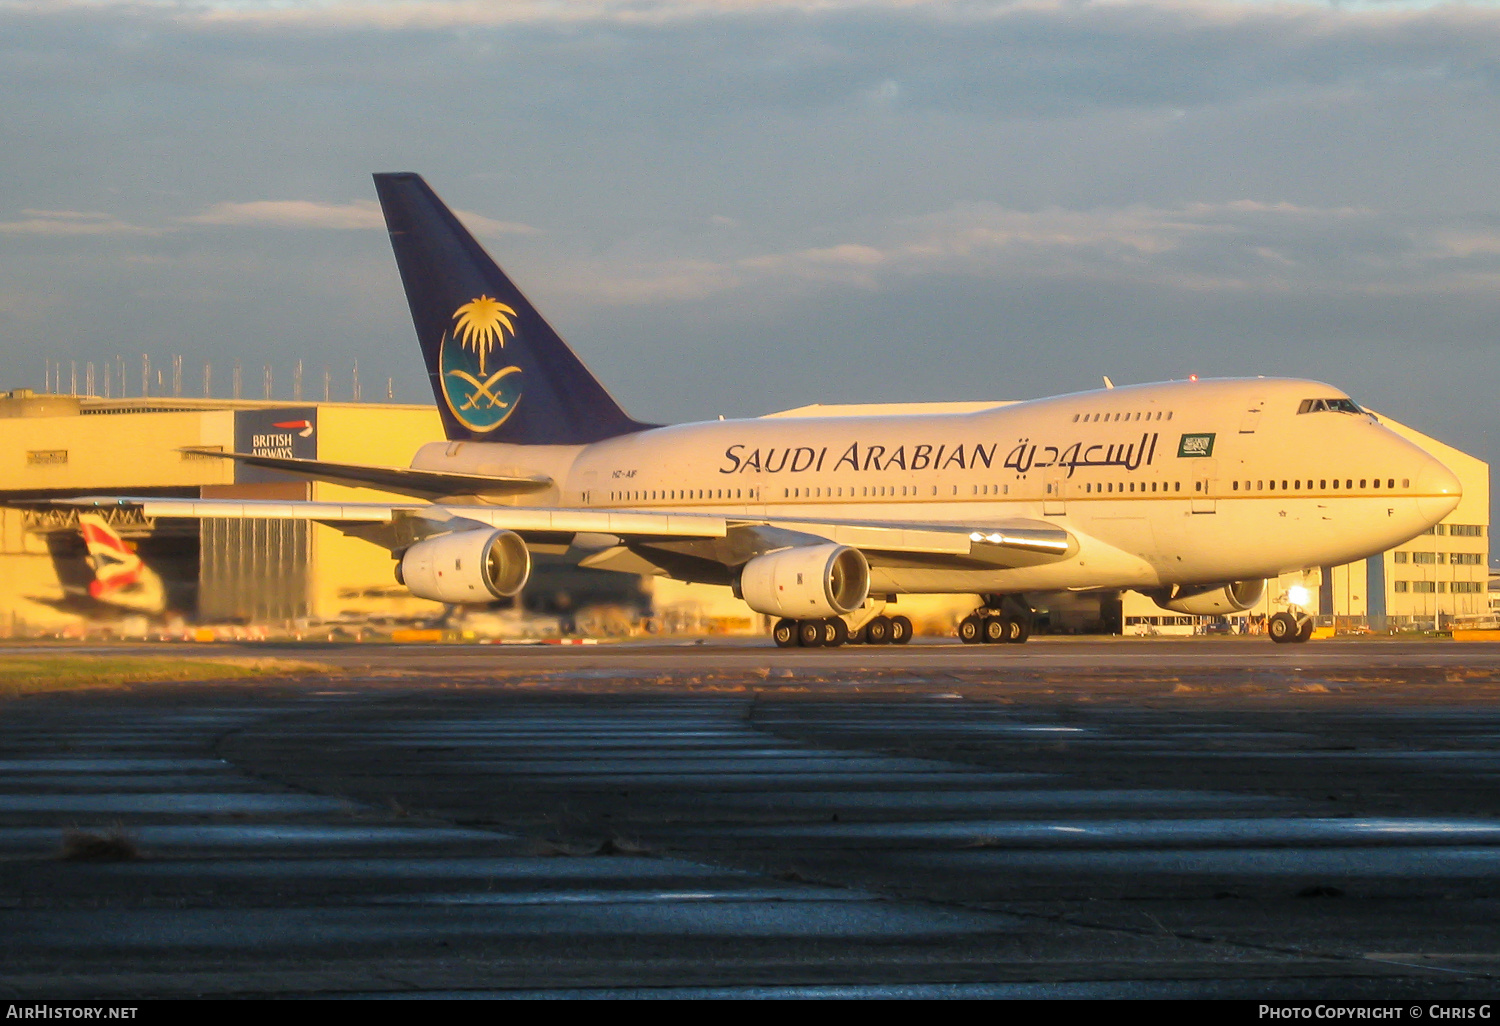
(730, 539)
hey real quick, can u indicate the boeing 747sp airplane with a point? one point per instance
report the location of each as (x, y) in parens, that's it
(1193, 492)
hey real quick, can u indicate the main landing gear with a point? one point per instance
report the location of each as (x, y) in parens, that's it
(833, 632)
(1295, 625)
(991, 625)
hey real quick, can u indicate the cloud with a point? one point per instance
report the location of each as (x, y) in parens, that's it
(1233, 246)
(69, 223)
(292, 214)
(450, 14)
(360, 214)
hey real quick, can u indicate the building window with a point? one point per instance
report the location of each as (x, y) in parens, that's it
(48, 457)
(1399, 586)
(1398, 557)
(1424, 587)
(1466, 558)
(1466, 530)
(1467, 587)
(1424, 557)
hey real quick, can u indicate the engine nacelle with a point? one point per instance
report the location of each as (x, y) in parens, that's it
(806, 583)
(1212, 600)
(466, 566)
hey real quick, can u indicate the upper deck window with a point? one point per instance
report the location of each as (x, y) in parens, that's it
(1329, 406)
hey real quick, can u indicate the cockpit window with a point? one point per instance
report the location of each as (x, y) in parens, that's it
(1329, 406)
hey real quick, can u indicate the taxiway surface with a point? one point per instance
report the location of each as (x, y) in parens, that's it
(1099, 818)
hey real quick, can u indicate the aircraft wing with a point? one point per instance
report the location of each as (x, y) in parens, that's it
(425, 484)
(728, 540)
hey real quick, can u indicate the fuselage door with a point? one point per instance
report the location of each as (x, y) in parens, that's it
(1205, 474)
(1250, 420)
(1053, 504)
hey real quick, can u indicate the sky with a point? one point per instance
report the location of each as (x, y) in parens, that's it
(741, 206)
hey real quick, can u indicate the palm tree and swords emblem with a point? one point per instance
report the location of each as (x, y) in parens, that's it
(479, 398)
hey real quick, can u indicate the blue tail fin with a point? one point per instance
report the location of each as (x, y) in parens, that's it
(499, 371)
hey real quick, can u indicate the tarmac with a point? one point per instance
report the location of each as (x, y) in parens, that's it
(1087, 818)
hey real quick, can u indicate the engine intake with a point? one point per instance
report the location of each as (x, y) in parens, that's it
(466, 566)
(806, 583)
(1211, 600)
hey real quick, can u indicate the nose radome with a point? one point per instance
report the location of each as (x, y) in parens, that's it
(1438, 491)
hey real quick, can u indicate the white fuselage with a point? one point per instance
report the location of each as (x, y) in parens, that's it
(1175, 483)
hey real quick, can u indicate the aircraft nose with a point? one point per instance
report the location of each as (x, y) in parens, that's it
(1438, 491)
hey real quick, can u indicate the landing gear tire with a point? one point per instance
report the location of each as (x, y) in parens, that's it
(900, 630)
(785, 633)
(1016, 631)
(970, 630)
(810, 633)
(878, 631)
(1304, 633)
(835, 632)
(856, 636)
(1282, 627)
(995, 630)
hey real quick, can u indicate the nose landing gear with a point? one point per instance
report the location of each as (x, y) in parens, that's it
(1294, 625)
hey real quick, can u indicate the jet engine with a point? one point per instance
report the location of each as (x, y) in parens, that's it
(806, 583)
(466, 566)
(1211, 600)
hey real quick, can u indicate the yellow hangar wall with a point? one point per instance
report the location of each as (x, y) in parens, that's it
(63, 445)
(48, 444)
(353, 578)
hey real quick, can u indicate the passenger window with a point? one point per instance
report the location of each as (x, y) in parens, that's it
(1335, 484)
(1390, 482)
(1349, 483)
(1406, 482)
(1283, 486)
(1362, 483)
(1321, 485)
(1176, 485)
(1376, 482)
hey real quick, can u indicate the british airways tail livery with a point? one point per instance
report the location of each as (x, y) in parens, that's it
(1192, 492)
(121, 578)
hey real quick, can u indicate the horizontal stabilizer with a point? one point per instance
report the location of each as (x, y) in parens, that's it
(424, 484)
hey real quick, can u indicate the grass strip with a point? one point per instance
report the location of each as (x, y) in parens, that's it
(27, 674)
